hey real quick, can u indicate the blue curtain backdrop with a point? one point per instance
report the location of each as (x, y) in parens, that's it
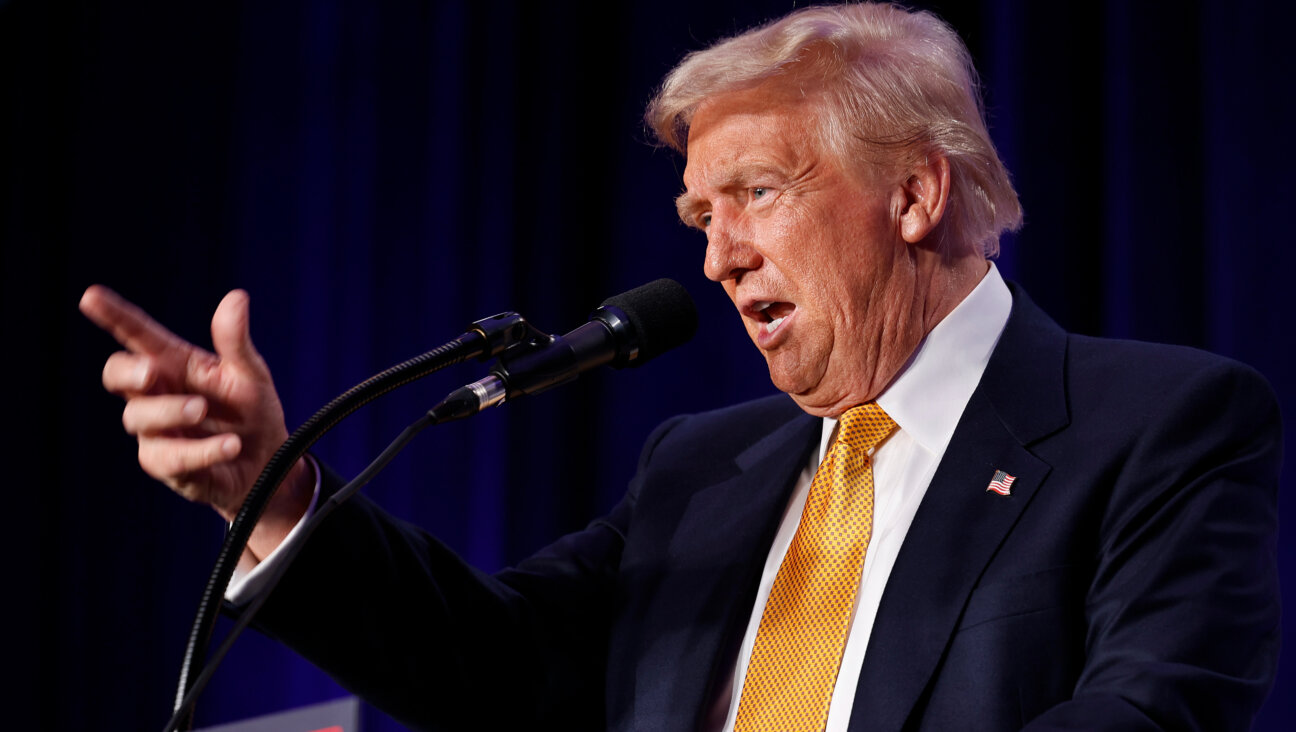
(379, 174)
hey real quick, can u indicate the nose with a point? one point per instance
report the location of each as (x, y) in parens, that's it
(730, 252)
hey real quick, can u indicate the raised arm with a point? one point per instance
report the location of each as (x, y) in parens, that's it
(207, 423)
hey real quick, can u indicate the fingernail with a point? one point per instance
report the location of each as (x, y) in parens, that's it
(230, 446)
(142, 375)
(193, 409)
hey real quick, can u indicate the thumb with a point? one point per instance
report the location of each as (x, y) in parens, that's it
(231, 332)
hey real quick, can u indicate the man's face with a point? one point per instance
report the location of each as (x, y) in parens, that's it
(809, 252)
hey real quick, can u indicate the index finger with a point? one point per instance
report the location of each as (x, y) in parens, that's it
(131, 326)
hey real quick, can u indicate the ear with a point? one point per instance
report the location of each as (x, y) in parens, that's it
(926, 194)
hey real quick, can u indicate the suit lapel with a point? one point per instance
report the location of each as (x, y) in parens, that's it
(960, 526)
(715, 557)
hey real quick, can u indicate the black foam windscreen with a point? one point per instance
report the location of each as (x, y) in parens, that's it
(663, 316)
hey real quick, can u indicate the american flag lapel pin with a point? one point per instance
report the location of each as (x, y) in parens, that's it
(1001, 483)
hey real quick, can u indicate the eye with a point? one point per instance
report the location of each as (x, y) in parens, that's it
(705, 220)
(759, 192)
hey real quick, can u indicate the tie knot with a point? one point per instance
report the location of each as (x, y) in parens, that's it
(863, 427)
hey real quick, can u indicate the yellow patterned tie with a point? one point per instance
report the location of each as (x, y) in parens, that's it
(803, 630)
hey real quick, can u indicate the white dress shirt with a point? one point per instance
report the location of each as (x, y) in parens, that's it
(926, 401)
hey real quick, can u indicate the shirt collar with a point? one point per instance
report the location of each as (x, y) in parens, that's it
(934, 386)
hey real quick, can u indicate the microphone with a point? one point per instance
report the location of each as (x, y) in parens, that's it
(627, 330)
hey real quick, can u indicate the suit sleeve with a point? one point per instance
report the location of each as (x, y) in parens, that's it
(399, 619)
(1183, 610)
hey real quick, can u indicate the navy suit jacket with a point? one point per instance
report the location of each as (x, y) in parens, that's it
(1129, 581)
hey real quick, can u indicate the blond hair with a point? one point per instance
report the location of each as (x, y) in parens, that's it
(896, 86)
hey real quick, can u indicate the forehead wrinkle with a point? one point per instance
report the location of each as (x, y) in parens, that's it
(725, 156)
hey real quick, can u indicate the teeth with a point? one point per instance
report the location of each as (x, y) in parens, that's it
(773, 325)
(762, 306)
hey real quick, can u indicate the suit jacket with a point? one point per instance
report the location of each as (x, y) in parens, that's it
(1128, 582)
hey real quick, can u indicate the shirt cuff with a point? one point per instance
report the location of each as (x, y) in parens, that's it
(249, 577)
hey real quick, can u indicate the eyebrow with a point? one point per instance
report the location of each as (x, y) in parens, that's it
(687, 206)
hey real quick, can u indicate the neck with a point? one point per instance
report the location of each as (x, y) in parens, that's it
(948, 286)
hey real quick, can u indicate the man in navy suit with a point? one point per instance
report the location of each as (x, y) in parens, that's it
(1066, 533)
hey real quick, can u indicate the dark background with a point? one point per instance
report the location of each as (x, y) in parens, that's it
(379, 174)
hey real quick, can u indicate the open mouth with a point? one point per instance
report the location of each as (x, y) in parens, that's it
(774, 313)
